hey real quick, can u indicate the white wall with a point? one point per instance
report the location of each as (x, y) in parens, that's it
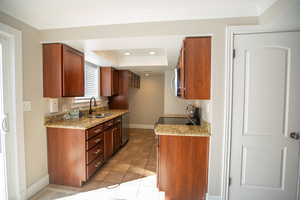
(283, 13)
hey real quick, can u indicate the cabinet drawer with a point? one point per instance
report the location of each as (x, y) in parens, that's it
(95, 152)
(109, 124)
(94, 131)
(95, 140)
(117, 120)
(93, 166)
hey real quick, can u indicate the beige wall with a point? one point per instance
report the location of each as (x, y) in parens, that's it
(146, 104)
(35, 133)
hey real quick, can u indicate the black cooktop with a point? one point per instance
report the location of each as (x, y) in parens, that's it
(174, 120)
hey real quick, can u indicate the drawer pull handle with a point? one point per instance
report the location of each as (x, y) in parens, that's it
(98, 151)
(98, 131)
(97, 140)
(98, 164)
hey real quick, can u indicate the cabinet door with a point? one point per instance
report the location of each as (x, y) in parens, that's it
(117, 137)
(183, 161)
(73, 73)
(115, 82)
(108, 143)
(197, 67)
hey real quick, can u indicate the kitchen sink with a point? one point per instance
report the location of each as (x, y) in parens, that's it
(102, 115)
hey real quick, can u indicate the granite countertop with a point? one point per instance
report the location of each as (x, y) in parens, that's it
(183, 130)
(84, 123)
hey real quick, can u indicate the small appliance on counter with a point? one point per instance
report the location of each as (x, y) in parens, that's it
(193, 113)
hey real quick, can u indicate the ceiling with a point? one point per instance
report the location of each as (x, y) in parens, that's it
(77, 13)
(166, 50)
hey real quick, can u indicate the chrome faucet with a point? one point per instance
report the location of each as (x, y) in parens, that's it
(95, 104)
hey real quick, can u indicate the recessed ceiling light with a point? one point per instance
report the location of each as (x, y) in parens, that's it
(152, 52)
(147, 74)
(127, 54)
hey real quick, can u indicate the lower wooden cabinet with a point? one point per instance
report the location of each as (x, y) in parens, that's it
(183, 167)
(108, 143)
(117, 136)
(75, 155)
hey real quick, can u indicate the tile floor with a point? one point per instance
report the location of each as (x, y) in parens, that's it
(130, 174)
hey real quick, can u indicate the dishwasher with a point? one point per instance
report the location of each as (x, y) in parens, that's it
(125, 128)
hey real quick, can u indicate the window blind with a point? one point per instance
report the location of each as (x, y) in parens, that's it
(91, 84)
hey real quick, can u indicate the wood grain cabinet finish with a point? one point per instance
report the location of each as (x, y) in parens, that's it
(127, 80)
(75, 155)
(63, 71)
(117, 135)
(195, 68)
(108, 143)
(183, 167)
(109, 81)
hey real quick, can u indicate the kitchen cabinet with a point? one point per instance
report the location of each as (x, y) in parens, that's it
(182, 162)
(127, 80)
(74, 155)
(195, 68)
(109, 81)
(63, 71)
(117, 135)
(108, 140)
(108, 143)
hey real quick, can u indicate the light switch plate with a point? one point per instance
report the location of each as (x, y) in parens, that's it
(27, 106)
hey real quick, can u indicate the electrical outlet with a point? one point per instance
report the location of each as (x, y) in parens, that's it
(27, 106)
(53, 103)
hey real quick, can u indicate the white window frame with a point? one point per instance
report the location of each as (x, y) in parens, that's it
(84, 100)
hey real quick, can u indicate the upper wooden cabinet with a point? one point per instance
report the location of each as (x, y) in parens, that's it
(134, 80)
(109, 81)
(195, 68)
(63, 71)
(127, 80)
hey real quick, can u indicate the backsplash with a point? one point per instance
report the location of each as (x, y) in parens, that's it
(60, 116)
(67, 104)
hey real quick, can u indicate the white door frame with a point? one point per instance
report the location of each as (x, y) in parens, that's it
(16, 119)
(230, 32)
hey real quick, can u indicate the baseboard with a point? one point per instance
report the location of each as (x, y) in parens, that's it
(37, 186)
(143, 126)
(208, 197)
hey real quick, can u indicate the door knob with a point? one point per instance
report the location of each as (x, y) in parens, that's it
(295, 136)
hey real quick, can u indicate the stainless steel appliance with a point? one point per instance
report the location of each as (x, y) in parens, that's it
(125, 128)
(176, 82)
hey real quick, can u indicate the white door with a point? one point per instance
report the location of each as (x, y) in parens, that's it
(266, 117)
(3, 179)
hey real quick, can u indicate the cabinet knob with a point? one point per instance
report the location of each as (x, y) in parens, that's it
(97, 140)
(97, 152)
(295, 136)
